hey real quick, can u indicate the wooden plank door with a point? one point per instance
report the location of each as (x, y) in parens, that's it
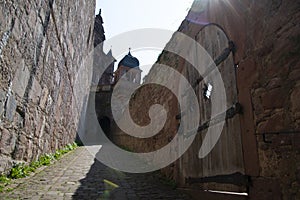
(223, 167)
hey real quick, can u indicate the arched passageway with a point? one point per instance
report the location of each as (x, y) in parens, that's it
(106, 126)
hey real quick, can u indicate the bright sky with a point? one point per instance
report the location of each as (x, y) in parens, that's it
(120, 16)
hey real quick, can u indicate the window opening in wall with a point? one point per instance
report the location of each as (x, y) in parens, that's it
(207, 91)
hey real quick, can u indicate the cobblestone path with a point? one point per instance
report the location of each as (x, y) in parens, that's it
(78, 176)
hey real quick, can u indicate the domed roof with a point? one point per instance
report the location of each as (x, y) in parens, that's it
(129, 61)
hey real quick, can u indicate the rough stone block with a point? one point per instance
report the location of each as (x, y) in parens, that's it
(273, 124)
(274, 83)
(5, 163)
(295, 100)
(8, 142)
(32, 18)
(44, 96)
(274, 98)
(20, 80)
(35, 92)
(265, 189)
(11, 108)
(295, 75)
(2, 101)
(17, 31)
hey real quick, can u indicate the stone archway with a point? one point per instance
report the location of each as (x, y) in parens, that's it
(106, 126)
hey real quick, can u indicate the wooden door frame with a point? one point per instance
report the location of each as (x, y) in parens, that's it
(249, 142)
(247, 129)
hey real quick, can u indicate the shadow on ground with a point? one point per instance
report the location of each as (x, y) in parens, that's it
(102, 182)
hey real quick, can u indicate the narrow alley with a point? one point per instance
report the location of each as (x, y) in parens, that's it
(78, 176)
(187, 100)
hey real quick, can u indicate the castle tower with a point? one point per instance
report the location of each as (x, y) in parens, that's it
(101, 61)
(129, 67)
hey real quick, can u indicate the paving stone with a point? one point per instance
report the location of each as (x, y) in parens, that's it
(85, 181)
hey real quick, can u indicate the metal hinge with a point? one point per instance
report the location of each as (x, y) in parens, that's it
(235, 179)
(228, 114)
(222, 57)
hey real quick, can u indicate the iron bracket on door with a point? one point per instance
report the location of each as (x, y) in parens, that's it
(225, 53)
(228, 114)
(221, 58)
(235, 179)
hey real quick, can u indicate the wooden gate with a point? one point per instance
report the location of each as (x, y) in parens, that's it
(223, 168)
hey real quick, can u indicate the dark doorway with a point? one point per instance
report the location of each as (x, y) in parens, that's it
(105, 125)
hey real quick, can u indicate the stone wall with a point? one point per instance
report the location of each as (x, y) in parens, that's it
(43, 45)
(274, 90)
(266, 35)
(139, 106)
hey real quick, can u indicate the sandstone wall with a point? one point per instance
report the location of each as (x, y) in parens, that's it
(43, 45)
(139, 106)
(266, 35)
